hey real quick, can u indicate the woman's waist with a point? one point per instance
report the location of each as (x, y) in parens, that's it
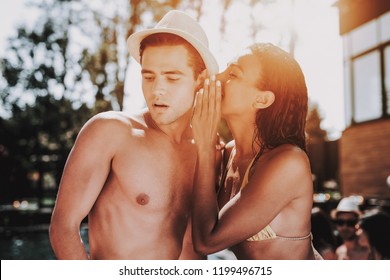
(272, 249)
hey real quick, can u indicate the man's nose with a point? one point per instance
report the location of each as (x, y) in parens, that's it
(159, 87)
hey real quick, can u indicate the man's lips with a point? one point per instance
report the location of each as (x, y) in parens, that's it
(160, 107)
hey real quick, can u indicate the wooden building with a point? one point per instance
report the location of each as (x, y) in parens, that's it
(364, 148)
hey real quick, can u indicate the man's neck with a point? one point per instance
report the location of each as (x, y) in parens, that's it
(352, 243)
(177, 132)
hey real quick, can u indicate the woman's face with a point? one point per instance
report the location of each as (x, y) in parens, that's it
(240, 83)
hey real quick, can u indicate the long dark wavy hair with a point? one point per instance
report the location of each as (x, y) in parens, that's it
(284, 121)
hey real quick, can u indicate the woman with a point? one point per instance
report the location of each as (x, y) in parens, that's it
(263, 206)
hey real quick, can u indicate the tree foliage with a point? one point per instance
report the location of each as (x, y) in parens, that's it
(37, 140)
(313, 125)
(43, 112)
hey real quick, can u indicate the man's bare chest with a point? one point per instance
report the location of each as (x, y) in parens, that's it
(154, 177)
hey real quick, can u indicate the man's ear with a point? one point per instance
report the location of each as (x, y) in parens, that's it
(264, 99)
(200, 80)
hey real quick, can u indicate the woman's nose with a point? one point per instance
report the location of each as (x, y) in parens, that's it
(221, 77)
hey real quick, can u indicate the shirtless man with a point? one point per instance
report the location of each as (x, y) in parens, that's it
(133, 175)
(346, 217)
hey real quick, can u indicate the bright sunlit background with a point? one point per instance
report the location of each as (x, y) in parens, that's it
(318, 46)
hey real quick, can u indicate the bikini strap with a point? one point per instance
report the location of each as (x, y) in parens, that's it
(228, 164)
(251, 164)
(296, 238)
(245, 180)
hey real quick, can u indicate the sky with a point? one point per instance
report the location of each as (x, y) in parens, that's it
(318, 48)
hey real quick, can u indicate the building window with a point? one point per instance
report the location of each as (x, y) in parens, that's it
(367, 87)
(387, 76)
(367, 70)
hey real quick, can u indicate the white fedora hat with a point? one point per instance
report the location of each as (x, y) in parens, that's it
(181, 24)
(347, 204)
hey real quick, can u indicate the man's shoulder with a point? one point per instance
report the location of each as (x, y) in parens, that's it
(114, 120)
(112, 127)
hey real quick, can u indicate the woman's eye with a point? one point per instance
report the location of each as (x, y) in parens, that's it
(232, 75)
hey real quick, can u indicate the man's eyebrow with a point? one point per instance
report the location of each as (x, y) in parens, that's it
(170, 72)
(146, 71)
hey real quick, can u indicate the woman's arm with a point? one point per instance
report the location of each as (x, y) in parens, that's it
(205, 126)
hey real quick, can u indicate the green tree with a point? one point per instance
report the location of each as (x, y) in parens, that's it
(313, 125)
(40, 94)
(39, 61)
(35, 143)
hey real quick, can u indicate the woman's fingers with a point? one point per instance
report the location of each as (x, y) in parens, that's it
(208, 100)
(218, 97)
(198, 104)
(206, 114)
(211, 107)
(205, 103)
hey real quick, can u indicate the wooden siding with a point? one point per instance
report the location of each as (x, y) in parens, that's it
(365, 159)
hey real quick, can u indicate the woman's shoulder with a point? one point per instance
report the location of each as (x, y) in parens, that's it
(289, 164)
(288, 148)
(287, 154)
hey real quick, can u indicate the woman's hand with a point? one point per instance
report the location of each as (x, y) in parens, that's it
(207, 114)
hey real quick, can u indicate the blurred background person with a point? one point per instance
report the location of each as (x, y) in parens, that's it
(346, 217)
(375, 226)
(324, 238)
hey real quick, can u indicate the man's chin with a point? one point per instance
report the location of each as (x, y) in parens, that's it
(167, 119)
(347, 237)
(161, 120)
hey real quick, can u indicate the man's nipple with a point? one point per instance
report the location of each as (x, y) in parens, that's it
(142, 199)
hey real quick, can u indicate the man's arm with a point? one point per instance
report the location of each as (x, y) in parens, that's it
(84, 175)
